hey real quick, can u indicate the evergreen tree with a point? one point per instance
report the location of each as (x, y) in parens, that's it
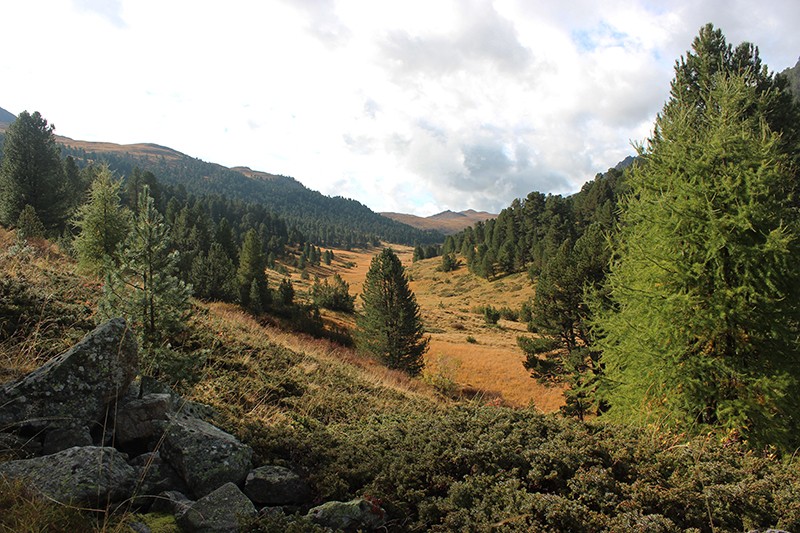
(390, 325)
(28, 224)
(214, 275)
(703, 322)
(31, 173)
(103, 225)
(251, 273)
(145, 289)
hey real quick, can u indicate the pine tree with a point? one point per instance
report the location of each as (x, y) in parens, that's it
(390, 325)
(28, 224)
(145, 289)
(103, 223)
(31, 173)
(213, 275)
(251, 273)
(703, 322)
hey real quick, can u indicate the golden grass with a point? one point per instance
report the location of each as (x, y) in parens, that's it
(492, 367)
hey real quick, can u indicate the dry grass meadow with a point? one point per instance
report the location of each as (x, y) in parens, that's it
(489, 365)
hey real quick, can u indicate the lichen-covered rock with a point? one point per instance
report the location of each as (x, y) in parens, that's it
(155, 476)
(355, 514)
(203, 455)
(276, 485)
(219, 512)
(74, 388)
(142, 419)
(90, 475)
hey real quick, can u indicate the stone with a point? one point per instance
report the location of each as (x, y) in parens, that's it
(142, 419)
(276, 485)
(204, 456)
(90, 476)
(355, 514)
(155, 476)
(61, 439)
(221, 511)
(74, 389)
(171, 501)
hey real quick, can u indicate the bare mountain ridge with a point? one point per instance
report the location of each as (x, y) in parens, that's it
(447, 222)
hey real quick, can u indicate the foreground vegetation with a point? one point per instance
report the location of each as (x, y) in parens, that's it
(355, 428)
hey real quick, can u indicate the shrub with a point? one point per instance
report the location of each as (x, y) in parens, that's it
(491, 315)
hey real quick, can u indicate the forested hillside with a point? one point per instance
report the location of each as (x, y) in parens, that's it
(326, 221)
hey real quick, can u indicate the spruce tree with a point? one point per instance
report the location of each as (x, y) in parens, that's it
(390, 325)
(31, 173)
(144, 288)
(103, 223)
(703, 322)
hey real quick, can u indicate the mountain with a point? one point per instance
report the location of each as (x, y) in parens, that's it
(446, 222)
(792, 75)
(330, 221)
(6, 118)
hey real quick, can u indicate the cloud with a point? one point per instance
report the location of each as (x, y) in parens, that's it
(111, 10)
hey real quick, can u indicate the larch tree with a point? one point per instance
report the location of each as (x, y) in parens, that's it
(702, 326)
(31, 173)
(390, 325)
(103, 223)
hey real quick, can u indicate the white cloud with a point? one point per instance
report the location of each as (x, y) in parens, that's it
(412, 106)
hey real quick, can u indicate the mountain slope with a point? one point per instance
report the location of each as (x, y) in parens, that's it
(446, 222)
(6, 118)
(323, 219)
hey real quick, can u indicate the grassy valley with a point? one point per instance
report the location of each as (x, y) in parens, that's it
(353, 427)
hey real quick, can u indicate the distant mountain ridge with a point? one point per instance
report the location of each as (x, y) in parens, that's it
(447, 222)
(6, 117)
(325, 220)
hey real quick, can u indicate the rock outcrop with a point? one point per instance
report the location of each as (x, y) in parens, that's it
(100, 437)
(90, 476)
(74, 389)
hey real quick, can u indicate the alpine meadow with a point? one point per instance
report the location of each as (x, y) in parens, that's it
(190, 347)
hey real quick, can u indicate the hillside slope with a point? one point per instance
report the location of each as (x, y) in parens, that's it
(326, 220)
(351, 429)
(446, 222)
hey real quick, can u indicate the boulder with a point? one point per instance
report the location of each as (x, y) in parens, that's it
(221, 511)
(142, 419)
(204, 456)
(89, 476)
(61, 439)
(276, 485)
(74, 388)
(155, 476)
(355, 514)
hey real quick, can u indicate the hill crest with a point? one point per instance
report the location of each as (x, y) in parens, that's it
(447, 222)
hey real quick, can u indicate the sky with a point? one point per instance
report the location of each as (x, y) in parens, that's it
(413, 106)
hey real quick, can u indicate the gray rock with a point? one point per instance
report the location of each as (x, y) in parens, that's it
(155, 476)
(355, 514)
(91, 476)
(203, 455)
(219, 512)
(61, 439)
(172, 502)
(74, 388)
(276, 485)
(142, 418)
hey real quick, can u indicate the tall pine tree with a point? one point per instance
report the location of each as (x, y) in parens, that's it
(31, 173)
(390, 325)
(703, 323)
